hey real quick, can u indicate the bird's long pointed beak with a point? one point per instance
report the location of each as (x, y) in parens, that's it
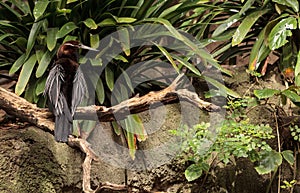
(87, 48)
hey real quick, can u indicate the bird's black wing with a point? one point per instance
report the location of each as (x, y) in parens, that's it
(58, 103)
(53, 89)
(79, 91)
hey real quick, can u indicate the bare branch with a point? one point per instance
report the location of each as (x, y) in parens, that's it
(42, 118)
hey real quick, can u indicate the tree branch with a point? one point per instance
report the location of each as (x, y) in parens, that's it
(41, 117)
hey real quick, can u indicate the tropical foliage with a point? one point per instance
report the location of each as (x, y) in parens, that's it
(31, 32)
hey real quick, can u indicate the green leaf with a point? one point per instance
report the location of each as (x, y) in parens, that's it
(294, 4)
(25, 74)
(168, 56)
(131, 140)
(109, 78)
(17, 64)
(95, 40)
(125, 19)
(32, 36)
(259, 51)
(107, 22)
(246, 7)
(245, 26)
(223, 89)
(39, 54)
(193, 172)
(297, 66)
(269, 162)
(66, 29)
(39, 8)
(2, 37)
(29, 92)
(40, 86)
(51, 38)
(116, 127)
(100, 91)
(291, 95)
(125, 40)
(226, 24)
(139, 128)
(90, 23)
(187, 64)
(68, 38)
(265, 93)
(279, 34)
(288, 156)
(43, 65)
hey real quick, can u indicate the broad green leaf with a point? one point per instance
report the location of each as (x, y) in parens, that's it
(193, 172)
(98, 85)
(68, 37)
(223, 89)
(128, 80)
(131, 140)
(100, 91)
(265, 93)
(168, 56)
(39, 54)
(116, 127)
(291, 95)
(259, 51)
(40, 86)
(125, 40)
(66, 29)
(297, 66)
(32, 36)
(29, 92)
(125, 19)
(226, 24)
(95, 40)
(95, 61)
(245, 26)
(109, 78)
(107, 22)
(25, 74)
(246, 6)
(279, 34)
(269, 162)
(39, 8)
(288, 156)
(294, 4)
(43, 65)
(51, 38)
(90, 23)
(17, 64)
(139, 128)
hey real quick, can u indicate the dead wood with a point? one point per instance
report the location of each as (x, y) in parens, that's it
(42, 118)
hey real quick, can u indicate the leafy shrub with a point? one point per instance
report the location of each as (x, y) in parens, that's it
(234, 138)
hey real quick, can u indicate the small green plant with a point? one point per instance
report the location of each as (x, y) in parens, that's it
(295, 132)
(203, 144)
(288, 185)
(235, 137)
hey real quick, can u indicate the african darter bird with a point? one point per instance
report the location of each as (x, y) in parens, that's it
(66, 87)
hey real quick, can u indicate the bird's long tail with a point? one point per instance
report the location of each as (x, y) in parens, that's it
(63, 128)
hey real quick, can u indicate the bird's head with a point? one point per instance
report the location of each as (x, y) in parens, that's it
(70, 49)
